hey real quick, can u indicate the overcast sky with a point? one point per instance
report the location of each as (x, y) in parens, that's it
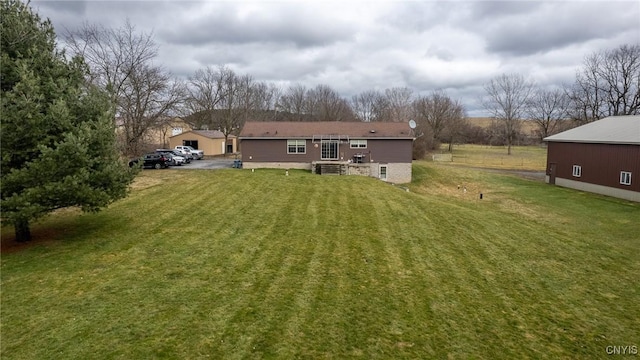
(356, 46)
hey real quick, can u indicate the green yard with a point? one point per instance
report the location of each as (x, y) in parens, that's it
(235, 264)
(495, 157)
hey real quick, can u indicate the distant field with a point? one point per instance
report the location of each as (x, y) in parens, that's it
(532, 158)
(233, 264)
(527, 127)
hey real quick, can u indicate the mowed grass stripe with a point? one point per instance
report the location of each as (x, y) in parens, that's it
(234, 264)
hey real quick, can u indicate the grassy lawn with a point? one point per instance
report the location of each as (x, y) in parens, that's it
(495, 157)
(234, 264)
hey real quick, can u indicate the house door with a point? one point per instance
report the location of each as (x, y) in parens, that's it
(551, 171)
(230, 148)
(329, 150)
(383, 172)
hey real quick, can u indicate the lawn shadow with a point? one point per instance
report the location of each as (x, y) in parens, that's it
(60, 226)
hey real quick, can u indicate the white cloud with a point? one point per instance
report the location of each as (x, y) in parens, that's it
(364, 45)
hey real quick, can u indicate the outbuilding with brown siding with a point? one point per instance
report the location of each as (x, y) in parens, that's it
(381, 150)
(601, 157)
(212, 142)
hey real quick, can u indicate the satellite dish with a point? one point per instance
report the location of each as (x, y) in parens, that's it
(412, 124)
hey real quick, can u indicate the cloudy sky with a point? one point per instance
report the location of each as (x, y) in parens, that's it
(354, 46)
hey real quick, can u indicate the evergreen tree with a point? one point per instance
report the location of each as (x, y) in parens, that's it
(57, 134)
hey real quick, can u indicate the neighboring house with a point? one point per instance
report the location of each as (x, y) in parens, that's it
(156, 136)
(381, 150)
(159, 136)
(601, 157)
(210, 141)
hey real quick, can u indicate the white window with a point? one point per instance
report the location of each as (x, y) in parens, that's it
(577, 170)
(383, 172)
(329, 150)
(176, 131)
(296, 146)
(625, 177)
(358, 144)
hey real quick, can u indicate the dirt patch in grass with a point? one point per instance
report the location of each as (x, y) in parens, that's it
(39, 236)
(45, 231)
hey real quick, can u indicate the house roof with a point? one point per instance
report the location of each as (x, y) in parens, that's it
(211, 134)
(610, 130)
(290, 129)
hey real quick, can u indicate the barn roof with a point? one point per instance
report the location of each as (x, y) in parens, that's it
(292, 129)
(610, 130)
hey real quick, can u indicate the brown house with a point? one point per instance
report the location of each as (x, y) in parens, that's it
(381, 150)
(210, 141)
(601, 157)
(158, 136)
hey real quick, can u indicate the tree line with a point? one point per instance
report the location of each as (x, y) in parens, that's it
(145, 96)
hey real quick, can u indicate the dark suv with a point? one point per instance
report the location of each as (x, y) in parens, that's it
(152, 160)
(155, 160)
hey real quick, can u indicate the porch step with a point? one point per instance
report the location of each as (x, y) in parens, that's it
(331, 169)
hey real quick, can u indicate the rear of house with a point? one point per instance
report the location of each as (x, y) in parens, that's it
(601, 157)
(381, 150)
(212, 142)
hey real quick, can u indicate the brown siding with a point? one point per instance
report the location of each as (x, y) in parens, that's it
(601, 163)
(378, 150)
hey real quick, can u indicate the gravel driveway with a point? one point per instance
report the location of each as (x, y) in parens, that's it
(206, 164)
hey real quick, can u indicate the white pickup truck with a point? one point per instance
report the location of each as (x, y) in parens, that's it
(197, 154)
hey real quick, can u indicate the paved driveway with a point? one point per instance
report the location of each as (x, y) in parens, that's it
(206, 164)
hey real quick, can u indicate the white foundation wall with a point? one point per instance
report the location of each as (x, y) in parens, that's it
(397, 173)
(598, 189)
(275, 165)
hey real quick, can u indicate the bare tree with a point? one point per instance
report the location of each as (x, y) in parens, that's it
(364, 105)
(585, 94)
(327, 105)
(394, 105)
(220, 99)
(310, 105)
(548, 108)
(266, 97)
(607, 85)
(441, 115)
(236, 102)
(506, 100)
(120, 61)
(321, 103)
(205, 92)
(148, 99)
(293, 101)
(382, 109)
(399, 100)
(112, 54)
(621, 73)
(456, 129)
(274, 94)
